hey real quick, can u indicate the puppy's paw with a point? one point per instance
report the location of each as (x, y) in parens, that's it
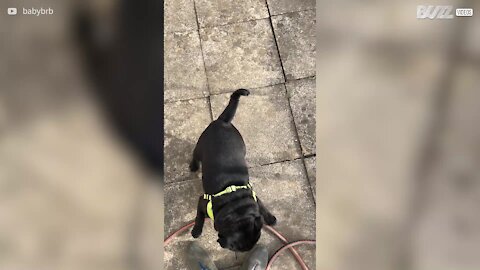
(270, 220)
(196, 232)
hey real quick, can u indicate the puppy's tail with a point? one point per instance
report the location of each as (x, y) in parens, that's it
(229, 112)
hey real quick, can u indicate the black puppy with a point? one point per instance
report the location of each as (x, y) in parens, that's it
(238, 214)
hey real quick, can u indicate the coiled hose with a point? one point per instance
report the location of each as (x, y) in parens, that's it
(287, 245)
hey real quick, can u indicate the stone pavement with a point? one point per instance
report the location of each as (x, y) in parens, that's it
(211, 49)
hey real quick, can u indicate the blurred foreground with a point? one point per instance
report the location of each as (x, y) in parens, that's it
(80, 137)
(397, 137)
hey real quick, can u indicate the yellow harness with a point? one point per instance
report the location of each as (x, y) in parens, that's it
(229, 189)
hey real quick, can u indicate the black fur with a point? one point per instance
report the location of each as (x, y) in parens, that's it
(221, 151)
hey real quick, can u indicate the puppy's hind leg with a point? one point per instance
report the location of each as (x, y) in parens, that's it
(195, 163)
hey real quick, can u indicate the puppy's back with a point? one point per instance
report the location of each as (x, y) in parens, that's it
(222, 146)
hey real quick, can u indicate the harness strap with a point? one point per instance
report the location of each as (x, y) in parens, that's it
(229, 189)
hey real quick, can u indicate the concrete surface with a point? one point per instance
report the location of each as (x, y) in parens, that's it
(285, 6)
(241, 55)
(179, 15)
(310, 164)
(184, 122)
(184, 81)
(295, 35)
(268, 139)
(301, 94)
(239, 50)
(215, 13)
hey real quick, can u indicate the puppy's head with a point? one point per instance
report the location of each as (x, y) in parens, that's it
(241, 235)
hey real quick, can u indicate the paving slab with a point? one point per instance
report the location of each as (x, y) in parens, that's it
(241, 55)
(310, 164)
(184, 122)
(284, 6)
(220, 12)
(448, 236)
(185, 76)
(265, 122)
(302, 101)
(179, 15)
(284, 189)
(295, 34)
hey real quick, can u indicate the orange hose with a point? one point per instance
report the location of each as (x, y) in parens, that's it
(290, 245)
(177, 232)
(292, 250)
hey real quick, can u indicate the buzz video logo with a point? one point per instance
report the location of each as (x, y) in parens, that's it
(434, 12)
(442, 12)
